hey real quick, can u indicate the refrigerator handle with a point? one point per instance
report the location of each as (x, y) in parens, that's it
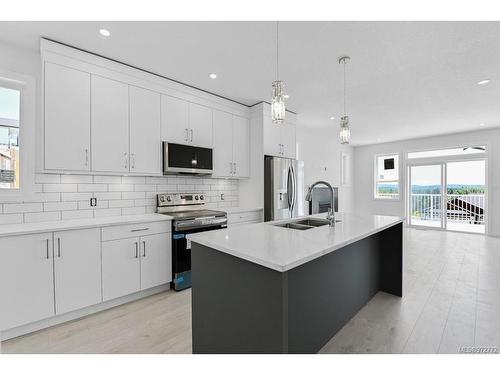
(288, 192)
(294, 186)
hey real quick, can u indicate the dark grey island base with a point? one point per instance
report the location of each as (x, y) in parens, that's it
(242, 307)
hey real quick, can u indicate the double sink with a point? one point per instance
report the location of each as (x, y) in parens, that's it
(304, 224)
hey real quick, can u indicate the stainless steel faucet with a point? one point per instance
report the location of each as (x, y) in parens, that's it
(331, 211)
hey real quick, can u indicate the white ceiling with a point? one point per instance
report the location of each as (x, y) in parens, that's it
(405, 79)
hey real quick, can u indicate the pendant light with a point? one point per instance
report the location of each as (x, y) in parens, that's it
(277, 96)
(345, 130)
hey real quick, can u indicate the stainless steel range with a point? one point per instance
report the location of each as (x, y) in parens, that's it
(189, 216)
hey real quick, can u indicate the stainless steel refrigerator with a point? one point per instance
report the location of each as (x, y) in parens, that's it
(283, 188)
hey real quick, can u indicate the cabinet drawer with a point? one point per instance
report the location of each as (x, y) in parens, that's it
(241, 217)
(135, 230)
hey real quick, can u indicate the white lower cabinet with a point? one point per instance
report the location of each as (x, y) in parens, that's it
(26, 279)
(133, 264)
(156, 260)
(77, 269)
(120, 268)
(245, 217)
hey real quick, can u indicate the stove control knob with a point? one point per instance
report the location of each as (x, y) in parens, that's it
(202, 197)
(169, 198)
(196, 197)
(162, 198)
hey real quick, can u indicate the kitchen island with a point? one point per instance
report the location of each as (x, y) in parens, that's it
(264, 288)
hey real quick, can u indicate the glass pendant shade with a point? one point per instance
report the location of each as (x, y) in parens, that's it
(345, 131)
(277, 103)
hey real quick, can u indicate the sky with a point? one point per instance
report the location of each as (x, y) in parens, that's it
(459, 173)
(9, 103)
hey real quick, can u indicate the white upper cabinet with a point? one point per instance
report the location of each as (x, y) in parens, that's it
(288, 140)
(110, 125)
(231, 145)
(26, 279)
(272, 138)
(200, 125)
(241, 146)
(279, 139)
(67, 119)
(223, 140)
(174, 120)
(77, 269)
(145, 131)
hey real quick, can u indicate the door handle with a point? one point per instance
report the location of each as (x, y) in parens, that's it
(187, 134)
(58, 247)
(125, 160)
(230, 168)
(139, 229)
(191, 135)
(136, 250)
(48, 256)
(86, 157)
(144, 249)
(133, 160)
(234, 168)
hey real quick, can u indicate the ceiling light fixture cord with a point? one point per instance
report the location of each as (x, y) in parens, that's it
(277, 52)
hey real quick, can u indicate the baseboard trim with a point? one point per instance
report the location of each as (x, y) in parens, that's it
(73, 315)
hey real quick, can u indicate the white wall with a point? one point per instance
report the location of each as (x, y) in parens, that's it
(320, 150)
(364, 171)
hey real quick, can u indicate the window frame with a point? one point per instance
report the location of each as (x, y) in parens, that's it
(27, 114)
(376, 180)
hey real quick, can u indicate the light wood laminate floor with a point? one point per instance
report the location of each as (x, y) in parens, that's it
(451, 299)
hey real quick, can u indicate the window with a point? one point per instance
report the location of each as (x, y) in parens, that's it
(10, 100)
(387, 177)
(466, 150)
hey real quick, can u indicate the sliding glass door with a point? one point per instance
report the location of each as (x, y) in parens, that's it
(448, 195)
(426, 195)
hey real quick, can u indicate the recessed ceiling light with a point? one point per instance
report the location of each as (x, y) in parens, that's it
(213, 75)
(286, 96)
(483, 82)
(332, 118)
(104, 32)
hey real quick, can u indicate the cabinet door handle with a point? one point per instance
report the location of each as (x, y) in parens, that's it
(191, 135)
(234, 172)
(58, 247)
(144, 249)
(86, 157)
(136, 250)
(125, 159)
(139, 229)
(186, 138)
(48, 256)
(133, 160)
(230, 168)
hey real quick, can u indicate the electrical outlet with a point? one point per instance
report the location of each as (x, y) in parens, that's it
(222, 196)
(93, 202)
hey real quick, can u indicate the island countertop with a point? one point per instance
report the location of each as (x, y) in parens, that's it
(282, 249)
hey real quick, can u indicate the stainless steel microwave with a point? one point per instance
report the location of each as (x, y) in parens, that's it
(185, 159)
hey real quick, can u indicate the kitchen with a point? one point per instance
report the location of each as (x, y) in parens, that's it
(248, 202)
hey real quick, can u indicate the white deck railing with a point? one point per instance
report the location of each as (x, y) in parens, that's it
(467, 208)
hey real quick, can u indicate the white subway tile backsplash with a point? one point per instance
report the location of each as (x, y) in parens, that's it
(13, 208)
(11, 219)
(77, 214)
(92, 187)
(121, 203)
(67, 197)
(37, 217)
(107, 179)
(75, 179)
(121, 187)
(60, 188)
(108, 212)
(59, 206)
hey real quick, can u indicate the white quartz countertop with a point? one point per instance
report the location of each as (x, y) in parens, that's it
(282, 249)
(51, 226)
(236, 210)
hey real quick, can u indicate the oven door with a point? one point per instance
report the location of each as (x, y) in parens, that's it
(181, 257)
(184, 159)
